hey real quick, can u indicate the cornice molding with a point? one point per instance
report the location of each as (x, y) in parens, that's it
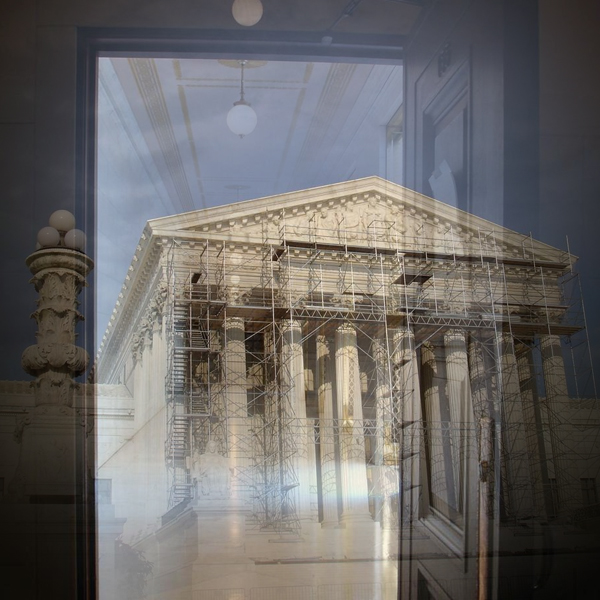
(136, 293)
(262, 219)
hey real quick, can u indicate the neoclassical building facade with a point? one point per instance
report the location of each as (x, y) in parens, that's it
(301, 391)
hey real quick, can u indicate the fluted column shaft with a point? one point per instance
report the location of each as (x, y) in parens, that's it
(483, 383)
(557, 400)
(433, 415)
(386, 479)
(459, 400)
(292, 374)
(238, 446)
(482, 403)
(408, 419)
(519, 500)
(355, 503)
(536, 451)
(329, 484)
(457, 375)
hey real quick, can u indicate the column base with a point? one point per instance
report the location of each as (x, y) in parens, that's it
(330, 525)
(356, 518)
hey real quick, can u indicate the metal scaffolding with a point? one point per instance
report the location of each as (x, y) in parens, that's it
(401, 295)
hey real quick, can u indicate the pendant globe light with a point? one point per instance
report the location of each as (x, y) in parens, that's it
(242, 119)
(247, 12)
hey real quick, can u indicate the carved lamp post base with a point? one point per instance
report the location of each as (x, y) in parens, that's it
(50, 434)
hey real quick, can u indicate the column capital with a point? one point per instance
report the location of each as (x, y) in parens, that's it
(323, 344)
(233, 323)
(428, 354)
(379, 350)
(403, 331)
(453, 336)
(289, 324)
(548, 343)
(346, 327)
(506, 342)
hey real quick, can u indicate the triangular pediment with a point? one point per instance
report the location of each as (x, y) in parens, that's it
(369, 211)
(357, 217)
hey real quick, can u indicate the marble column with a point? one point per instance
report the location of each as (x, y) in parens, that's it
(557, 401)
(482, 403)
(147, 496)
(409, 420)
(518, 497)
(239, 447)
(292, 377)
(311, 455)
(459, 401)
(329, 483)
(386, 481)
(440, 486)
(354, 488)
(269, 448)
(484, 384)
(538, 471)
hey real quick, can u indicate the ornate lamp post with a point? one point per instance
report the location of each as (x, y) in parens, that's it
(45, 520)
(49, 433)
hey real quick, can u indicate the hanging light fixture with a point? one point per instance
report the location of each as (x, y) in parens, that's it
(247, 12)
(242, 119)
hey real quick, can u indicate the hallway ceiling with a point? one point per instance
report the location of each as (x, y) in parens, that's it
(317, 123)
